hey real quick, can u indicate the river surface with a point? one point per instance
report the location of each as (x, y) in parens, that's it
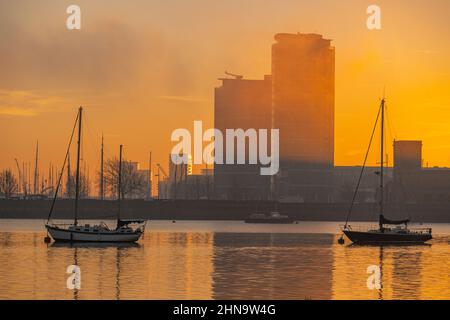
(223, 260)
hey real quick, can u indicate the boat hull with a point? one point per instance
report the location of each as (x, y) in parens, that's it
(362, 237)
(65, 235)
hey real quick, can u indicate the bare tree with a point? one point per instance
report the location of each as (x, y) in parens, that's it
(134, 184)
(8, 183)
(84, 188)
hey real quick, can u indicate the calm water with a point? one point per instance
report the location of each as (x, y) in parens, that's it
(221, 260)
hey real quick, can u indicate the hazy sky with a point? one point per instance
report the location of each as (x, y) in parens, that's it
(144, 68)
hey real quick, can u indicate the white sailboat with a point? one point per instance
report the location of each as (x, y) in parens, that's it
(125, 231)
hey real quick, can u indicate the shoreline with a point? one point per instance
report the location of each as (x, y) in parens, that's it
(218, 210)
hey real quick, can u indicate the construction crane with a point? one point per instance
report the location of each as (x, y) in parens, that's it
(160, 169)
(149, 193)
(236, 76)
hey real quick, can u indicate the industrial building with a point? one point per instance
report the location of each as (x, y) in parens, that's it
(407, 182)
(414, 183)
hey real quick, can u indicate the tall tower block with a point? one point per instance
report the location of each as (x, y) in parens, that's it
(303, 71)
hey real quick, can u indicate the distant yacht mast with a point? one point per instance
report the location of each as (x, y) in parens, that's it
(382, 159)
(102, 191)
(36, 174)
(96, 233)
(77, 174)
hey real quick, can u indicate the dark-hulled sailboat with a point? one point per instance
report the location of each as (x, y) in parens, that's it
(124, 232)
(389, 231)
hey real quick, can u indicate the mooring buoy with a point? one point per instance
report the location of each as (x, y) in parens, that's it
(47, 239)
(341, 240)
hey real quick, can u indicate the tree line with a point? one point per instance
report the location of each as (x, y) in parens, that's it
(135, 184)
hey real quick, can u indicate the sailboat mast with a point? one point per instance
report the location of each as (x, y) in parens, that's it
(77, 174)
(69, 178)
(102, 179)
(382, 158)
(149, 194)
(119, 189)
(159, 173)
(36, 174)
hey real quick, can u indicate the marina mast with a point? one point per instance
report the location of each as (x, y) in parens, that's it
(77, 175)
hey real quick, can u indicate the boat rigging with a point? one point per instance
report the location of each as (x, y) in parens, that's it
(398, 234)
(124, 232)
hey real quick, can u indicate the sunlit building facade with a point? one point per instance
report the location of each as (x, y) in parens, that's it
(242, 104)
(297, 99)
(303, 70)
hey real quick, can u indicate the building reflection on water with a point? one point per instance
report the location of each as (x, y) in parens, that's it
(208, 265)
(272, 266)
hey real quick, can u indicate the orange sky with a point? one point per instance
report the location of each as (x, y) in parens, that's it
(145, 68)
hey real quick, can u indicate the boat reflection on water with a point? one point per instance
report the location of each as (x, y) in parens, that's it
(382, 248)
(100, 247)
(95, 245)
(388, 245)
(406, 271)
(222, 265)
(273, 217)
